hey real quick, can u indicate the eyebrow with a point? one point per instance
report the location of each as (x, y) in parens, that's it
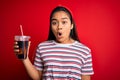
(61, 18)
(65, 18)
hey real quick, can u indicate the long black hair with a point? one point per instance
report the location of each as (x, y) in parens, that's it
(73, 33)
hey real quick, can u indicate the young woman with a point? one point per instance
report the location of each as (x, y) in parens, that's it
(62, 56)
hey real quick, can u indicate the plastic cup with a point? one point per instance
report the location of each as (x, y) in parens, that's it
(23, 46)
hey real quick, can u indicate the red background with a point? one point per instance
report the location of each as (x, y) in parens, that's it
(98, 26)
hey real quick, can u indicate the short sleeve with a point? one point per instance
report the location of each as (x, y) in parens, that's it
(87, 68)
(38, 61)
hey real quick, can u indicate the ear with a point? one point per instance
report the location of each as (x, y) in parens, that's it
(71, 26)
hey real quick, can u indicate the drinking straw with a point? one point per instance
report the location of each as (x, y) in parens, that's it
(21, 29)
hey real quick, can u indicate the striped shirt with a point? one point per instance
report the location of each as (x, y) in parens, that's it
(63, 61)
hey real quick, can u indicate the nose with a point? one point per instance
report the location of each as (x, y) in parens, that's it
(59, 26)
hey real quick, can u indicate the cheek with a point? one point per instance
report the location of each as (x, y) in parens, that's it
(53, 29)
(67, 31)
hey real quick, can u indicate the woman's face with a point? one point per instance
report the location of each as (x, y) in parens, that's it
(61, 26)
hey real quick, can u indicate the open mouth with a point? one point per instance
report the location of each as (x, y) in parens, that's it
(59, 34)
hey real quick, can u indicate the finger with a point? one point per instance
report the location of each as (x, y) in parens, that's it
(16, 50)
(28, 47)
(15, 42)
(29, 42)
(16, 46)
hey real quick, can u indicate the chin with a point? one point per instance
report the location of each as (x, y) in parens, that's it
(60, 40)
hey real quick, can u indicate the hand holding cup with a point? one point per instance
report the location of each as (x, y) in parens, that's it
(21, 46)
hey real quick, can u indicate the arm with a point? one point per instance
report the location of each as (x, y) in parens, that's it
(87, 68)
(85, 77)
(32, 71)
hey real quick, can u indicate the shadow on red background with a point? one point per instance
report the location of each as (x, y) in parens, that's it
(98, 26)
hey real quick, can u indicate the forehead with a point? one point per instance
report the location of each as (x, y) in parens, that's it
(60, 15)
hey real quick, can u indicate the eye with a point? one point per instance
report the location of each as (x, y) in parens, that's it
(54, 23)
(64, 22)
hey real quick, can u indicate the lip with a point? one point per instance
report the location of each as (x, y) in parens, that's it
(59, 35)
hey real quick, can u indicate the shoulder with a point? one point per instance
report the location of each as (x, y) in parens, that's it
(82, 47)
(46, 43)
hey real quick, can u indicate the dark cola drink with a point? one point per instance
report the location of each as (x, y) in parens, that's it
(23, 48)
(22, 42)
